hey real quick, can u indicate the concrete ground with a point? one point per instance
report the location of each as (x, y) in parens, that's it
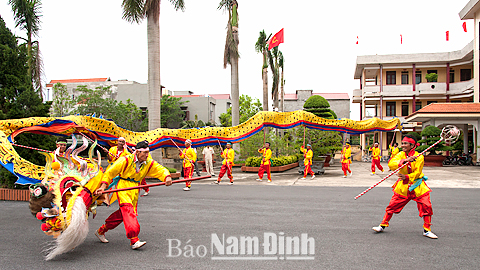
(438, 177)
(322, 208)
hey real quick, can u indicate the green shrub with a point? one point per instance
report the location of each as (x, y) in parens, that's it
(171, 170)
(316, 102)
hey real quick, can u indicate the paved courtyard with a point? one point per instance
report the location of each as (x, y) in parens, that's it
(183, 229)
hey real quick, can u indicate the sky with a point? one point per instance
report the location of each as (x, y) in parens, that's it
(89, 39)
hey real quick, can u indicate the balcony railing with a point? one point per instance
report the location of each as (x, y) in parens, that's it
(428, 88)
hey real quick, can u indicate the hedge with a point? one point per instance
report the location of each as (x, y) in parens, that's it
(276, 161)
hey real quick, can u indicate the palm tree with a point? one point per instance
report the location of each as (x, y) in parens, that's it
(231, 54)
(274, 56)
(27, 17)
(135, 11)
(262, 47)
(282, 80)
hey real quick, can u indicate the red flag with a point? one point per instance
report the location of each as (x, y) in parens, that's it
(276, 40)
(357, 40)
(448, 35)
(464, 25)
(401, 39)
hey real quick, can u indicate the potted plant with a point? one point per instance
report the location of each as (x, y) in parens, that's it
(431, 77)
(431, 135)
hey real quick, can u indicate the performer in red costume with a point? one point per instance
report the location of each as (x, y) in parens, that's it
(409, 186)
(127, 172)
(375, 157)
(265, 164)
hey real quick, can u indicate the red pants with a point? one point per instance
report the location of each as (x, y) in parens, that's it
(187, 173)
(397, 202)
(376, 162)
(144, 183)
(345, 168)
(263, 168)
(223, 170)
(308, 170)
(127, 215)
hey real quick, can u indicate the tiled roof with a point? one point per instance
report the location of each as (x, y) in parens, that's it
(188, 96)
(52, 82)
(220, 96)
(450, 108)
(325, 95)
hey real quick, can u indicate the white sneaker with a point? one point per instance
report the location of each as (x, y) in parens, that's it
(145, 194)
(303, 178)
(185, 189)
(259, 179)
(313, 176)
(138, 244)
(430, 234)
(269, 181)
(351, 173)
(372, 173)
(101, 237)
(378, 229)
(231, 183)
(216, 182)
(344, 176)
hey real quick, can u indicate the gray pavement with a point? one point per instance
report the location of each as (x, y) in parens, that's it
(322, 208)
(438, 177)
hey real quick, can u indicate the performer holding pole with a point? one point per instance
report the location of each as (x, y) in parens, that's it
(189, 156)
(307, 161)
(265, 164)
(129, 172)
(346, 159)
(228, 156)
(409, 186)
(375, 158)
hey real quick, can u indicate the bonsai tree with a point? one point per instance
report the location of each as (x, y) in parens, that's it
(431, 77)
(432, 135)
(323, 142)
(319, 106)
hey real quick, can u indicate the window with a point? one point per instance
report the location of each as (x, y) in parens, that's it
(418, 106)
(418, 76)
(404, 108)
(452, 75)
(431, 101)
(391, 77)
(390, 109)
(404, 77)
(465, 74)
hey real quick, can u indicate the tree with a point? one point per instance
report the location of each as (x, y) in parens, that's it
(231, 54)
(27, 17)
(62, 101)
(275, 57)
(319, 106)
(19, 100)
(98, 102)
(262, 47)
(432, 135)
(171, 111)
(323, 142)
(282, 82)
(136, 11)
(248, 108)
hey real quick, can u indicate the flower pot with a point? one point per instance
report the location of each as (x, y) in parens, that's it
(434, 161)
(7, 194)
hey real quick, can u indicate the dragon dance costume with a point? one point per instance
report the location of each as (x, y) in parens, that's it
(265, 164)
(129, 172)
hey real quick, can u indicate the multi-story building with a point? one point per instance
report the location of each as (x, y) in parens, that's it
(339, 102)
(396, 86)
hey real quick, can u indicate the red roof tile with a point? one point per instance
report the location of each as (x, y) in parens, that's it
(450, 108)
(333, 95)
(79, 80)
(220, 96)
(325, 95)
